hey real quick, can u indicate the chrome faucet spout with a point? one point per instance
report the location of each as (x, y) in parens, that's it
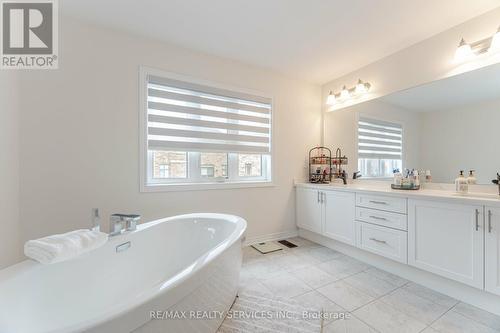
(344, 177)
(121, 222)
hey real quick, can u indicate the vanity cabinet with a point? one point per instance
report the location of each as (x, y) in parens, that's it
(492, 250)
(328, 212)
(339, 214)
(308, 209)
(456, 238)
(447, 239)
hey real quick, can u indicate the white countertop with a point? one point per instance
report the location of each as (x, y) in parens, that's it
(488, 197)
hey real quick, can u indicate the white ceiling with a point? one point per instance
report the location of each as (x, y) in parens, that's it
(463, 90)
(315, 40)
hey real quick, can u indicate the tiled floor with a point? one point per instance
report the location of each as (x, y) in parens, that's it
(371, 300)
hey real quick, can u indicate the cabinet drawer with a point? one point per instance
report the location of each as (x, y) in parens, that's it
(387, 219)
(390, 204)
(383, 241)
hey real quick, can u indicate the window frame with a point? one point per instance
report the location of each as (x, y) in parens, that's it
(150, 184)
(367, 116)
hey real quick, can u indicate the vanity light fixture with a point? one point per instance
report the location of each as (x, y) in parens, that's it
(330, 100)
(347, 93)
(463, 52)
(344, 94)
(466, 51)
(361, 87)
(495, 42)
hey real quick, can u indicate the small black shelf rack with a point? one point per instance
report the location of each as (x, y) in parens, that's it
(320, 165)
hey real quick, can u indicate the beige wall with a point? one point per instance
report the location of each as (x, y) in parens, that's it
(427, 61)
(9, 169)
(461, 139)
(79, 135)
(423, 62)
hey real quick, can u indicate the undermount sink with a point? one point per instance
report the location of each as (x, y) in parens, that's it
(478, 195)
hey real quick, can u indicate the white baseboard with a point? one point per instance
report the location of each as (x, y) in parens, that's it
(457, 290)
(271, 237)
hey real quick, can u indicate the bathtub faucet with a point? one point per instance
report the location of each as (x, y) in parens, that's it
(120, 222)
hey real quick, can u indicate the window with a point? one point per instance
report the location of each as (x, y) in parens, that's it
(169, 164)
(200, 134)
(164, 171)
(380, 148)
(249, 165)
(214, 165)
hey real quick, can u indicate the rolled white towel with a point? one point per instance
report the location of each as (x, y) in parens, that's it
(57, 248)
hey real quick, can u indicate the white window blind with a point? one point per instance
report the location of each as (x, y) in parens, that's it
(379, 139)
(184, 116)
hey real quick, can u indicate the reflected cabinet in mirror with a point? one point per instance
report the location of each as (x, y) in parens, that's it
(444, 126)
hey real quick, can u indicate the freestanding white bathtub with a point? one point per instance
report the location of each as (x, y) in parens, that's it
(178, 275)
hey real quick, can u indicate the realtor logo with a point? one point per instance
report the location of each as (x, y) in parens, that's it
(29, 34)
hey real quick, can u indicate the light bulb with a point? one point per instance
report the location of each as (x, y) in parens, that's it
(330, 100)
(495, 42)
(344, 94)
(360, 88)
(463, 52)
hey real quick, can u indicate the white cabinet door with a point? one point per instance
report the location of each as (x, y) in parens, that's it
(308, 205)
(339, 212)
(492, 250)
(447, 239)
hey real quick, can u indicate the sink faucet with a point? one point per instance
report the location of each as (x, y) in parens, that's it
(121, 222)
(344, 177)
(497, 181)
(356, 175)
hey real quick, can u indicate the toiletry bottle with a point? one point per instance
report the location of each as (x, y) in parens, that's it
(428, 176)
(398, 178)
(416, 182)
(461, 185)
(405, 181)
(471, 179)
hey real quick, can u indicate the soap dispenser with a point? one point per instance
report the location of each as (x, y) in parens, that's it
(471, 179)
(461, 185)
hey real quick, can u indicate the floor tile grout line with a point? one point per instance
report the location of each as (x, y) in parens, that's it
(373, 301)
(361, 320)
(430, 300)
(380, 296)
(412, 316)
(350, 313)
(441, 316)
(318, 261)
(474, 320)
(351, 275)
(471, 319)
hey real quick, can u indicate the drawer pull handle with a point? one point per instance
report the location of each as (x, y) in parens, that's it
(490, 227)
(378, 218)
(378, 240)
(477, 219)
(378, 202)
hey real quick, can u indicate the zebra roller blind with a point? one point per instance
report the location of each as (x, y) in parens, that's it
(379, 139)
(184, 116)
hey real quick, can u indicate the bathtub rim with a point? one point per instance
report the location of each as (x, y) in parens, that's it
(155, 290)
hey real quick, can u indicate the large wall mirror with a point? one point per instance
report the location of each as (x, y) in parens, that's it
(444, 126)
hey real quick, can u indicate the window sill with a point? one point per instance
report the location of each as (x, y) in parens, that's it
(204, 186)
